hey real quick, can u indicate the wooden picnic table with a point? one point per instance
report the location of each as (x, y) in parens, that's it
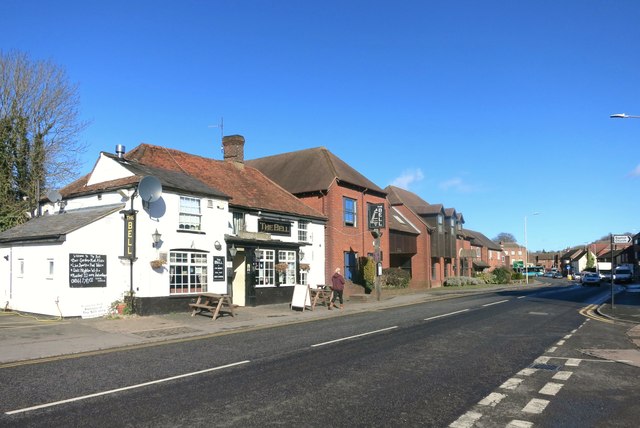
(214, 303)
(321, 292)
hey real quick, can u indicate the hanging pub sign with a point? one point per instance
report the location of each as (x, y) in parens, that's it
(129, 235)
(375, 216)
(274, 227)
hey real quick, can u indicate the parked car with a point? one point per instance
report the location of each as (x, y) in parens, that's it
(605, 275)
(577, 276)
(548, 274)
(557, 275)
(622, 275)
(591, 278)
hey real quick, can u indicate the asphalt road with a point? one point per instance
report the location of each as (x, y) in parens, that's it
(420, 365)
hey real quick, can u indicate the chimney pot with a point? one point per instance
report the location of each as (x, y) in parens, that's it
(233, 147)
(120, 150)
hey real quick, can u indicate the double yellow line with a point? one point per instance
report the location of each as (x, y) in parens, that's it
(590, 312)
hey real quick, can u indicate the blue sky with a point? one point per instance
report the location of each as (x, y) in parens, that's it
(499, 109)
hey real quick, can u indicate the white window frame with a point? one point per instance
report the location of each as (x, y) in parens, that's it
(188, 272)
(303, 231)
(288, 277)
(349, 213)
(20, 268)
(190, 217)
(266, 260)
(238, 222)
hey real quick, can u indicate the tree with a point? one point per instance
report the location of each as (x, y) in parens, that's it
(39, 127)
(504, 237)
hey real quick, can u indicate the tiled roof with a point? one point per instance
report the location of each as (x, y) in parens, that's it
(481, 240)
(248, 187)
(54, 227)
(400, 223)
(170, 180)
(310, 170)
(415, 203)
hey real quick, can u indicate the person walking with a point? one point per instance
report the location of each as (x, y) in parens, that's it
(337, 285)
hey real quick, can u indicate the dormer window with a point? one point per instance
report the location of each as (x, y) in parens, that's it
(440, 223)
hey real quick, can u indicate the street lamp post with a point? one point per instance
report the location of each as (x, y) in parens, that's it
(526, 251)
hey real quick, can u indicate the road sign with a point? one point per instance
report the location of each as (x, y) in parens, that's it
(621, 239)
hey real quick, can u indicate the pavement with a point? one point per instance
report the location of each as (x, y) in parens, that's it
(28, 339)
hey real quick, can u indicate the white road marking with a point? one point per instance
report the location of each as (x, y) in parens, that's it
(511, 383)
(492, 399)
(560, 342)
(568, 336)
(527, 372)
(552, 349)
(538, 313)
(574, 362)
(519, 424)
(522, 297)
(551, 388)
(536, 405)
(574, 330)
(353, 337)
(467, 420)
(126, 388)
(562, 375)
(542, 360)
(446, 315)
(496, 303)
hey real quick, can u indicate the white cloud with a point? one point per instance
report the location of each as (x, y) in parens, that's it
(408, 177)
(456, 184)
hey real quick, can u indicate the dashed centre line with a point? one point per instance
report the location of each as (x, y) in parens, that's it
(495, 303)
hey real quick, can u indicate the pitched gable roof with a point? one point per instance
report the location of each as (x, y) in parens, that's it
(415, 203)
(248, 187)
(310, 170)
(170, 180)
(481, 240)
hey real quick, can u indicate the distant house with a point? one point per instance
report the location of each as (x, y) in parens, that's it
(329, 185)
(487, 254)
(210, 225)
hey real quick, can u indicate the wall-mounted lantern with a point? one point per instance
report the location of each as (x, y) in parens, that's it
(233, 250)
(156, 236)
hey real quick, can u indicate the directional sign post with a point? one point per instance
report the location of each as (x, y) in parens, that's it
(621, 239)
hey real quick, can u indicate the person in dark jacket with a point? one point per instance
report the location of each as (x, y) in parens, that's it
(337, 285)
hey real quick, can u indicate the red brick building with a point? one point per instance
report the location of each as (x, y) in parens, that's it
(325, 182)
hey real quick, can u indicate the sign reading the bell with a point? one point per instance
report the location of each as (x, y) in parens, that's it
(274, 227)
(375, 216)
(129, 235)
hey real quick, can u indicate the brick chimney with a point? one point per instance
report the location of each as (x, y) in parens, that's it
(233, 147)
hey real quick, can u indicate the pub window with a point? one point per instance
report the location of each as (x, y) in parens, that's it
(349, 211)
(434, 270)
(189, 213)
(266, 267)
(238, 223)
(303, 235)
(287, 276)
(187, 272)
(20, 268)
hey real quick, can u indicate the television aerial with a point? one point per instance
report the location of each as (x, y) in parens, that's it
(150, 189)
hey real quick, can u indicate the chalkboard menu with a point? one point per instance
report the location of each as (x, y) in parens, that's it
(218, 268)
(87, 270)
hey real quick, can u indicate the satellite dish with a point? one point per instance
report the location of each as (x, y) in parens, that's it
(150, 189)
(54, 196)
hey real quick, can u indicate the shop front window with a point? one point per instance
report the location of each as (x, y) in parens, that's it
(266, 267)
(187, 272)
(287, 274)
